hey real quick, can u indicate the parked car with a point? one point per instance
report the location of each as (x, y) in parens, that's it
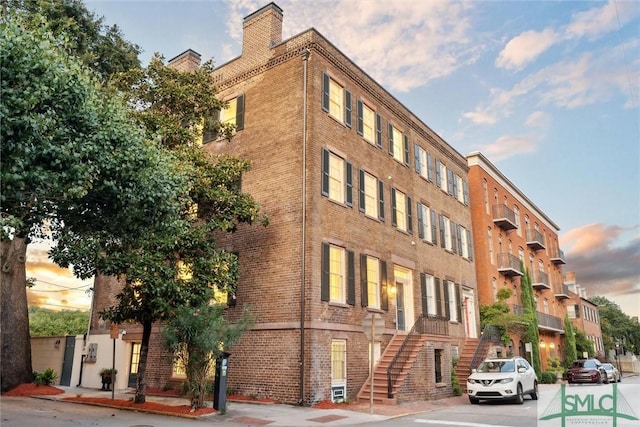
(502, 379)
(587, 371)
(613, 375)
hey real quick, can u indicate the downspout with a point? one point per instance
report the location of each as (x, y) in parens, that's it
(305, 57)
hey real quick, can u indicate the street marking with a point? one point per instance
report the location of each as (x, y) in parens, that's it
(457, 423)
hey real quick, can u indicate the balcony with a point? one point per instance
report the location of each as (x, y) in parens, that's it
(541, 281)
(509, 265)
(535, 239)
(504, 217)
(563, 294)
(557, 256)
(545, 321)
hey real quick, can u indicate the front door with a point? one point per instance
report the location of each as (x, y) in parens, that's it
(67, 361)
(133, 366)
(400, 314)
(470, 326)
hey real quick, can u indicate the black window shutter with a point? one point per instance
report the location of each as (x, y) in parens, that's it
(240, 113)
(429, 167)
(390, 136)
(325, 172)
(470, 244)
(465, 192)
(349, 183)
(379, 130)
(360, 119)
(442, 233)
(381, 200)
(420, 221)
(347, 108)
(458, 303)
(455, 185)
(351, 278)
(423, 288)
(361, 197)
(416, 158)
(409, 215)
(406, 150)
(449, 181)
(438, 174)
(434, 228)
(324, 282)
(394, 217)
(447, 308)
(452, 226)
(459, 236)
(384, 299)
(364, 285)
(325, 92)
(438, 297)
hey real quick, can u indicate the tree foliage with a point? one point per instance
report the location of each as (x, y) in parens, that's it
(499, 314)
(584, 345)
(617, 326)
(530, 317)
(45, 323)
(570, 353)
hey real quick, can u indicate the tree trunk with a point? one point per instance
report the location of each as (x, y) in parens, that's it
(141, 385)
(15, 341)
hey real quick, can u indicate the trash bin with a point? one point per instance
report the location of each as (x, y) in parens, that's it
(220, 382)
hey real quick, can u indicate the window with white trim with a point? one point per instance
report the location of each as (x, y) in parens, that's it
(366, 122)
(336, 100)
(337, 274)
(452, 293)
(446, 236)
(427, 224)
(371, 199)
(338, 362)
(401, 211)
(430, 294)
(337, 180)
(396, 147)
(423, 163)
(464, 242)
(373, 282)
(441, 176)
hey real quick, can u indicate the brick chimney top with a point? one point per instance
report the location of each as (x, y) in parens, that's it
(262, 29)
(189, 60)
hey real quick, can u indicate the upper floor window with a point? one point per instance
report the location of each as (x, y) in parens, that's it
(336, 100)
(401, 211)
(516, 214)
(460, 189)
(452, 297)
(369, 124)
(337, 179)
(464, 242)
(370, 271)
(231, 115)
(371, 195)
(490, 244)
(398, 145)
(429, 297)
(485, 195)
(424, 163)
(441, 176)
(427, 224)
(447, 233)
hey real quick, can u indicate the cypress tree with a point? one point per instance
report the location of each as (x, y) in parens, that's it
(570, 352)
(529, 309)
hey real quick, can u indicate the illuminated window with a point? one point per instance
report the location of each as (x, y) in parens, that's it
(427, 224)
(373, 281)
(232, 114)
(338, 362)
(401, 210)
(397, 147)
(370, 191)
(337, 180)
(336, 100)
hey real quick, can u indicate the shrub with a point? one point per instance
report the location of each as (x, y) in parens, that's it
(455, 384)
(548, 377)
(46, 377)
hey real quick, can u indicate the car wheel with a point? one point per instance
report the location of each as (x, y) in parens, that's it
(519, 396)
(620, 378)
(474, 401)
(534, 393)
(599, 380)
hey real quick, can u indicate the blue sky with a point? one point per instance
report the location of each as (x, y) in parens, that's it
(549, 91)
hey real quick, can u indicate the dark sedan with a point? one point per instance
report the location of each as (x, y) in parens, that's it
(587, 371)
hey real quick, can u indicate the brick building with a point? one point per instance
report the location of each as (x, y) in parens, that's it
(510, 229)
(584, 314)
(369, 215)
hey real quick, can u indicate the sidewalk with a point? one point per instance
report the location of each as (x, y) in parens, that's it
(259, 414)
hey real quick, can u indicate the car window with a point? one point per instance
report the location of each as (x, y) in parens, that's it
(578, 364)
(589, 364)
(507, 367)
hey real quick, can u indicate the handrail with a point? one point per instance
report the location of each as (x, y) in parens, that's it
(426, 324)
(490, 334)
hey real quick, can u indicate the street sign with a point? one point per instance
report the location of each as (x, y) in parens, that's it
(373, 326)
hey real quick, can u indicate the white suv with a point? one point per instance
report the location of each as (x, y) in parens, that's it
(502, 379)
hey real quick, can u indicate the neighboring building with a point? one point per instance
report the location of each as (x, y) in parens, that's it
(509, 229)
(584, 314)
(369, 214)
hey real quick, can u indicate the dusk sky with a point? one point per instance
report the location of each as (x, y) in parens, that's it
(547, 91)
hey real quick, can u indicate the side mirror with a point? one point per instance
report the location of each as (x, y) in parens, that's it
(522, 370)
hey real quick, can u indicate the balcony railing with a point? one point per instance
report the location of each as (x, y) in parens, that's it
(545, 321)
(564, 293)
(432, 325)
(504, 217)
(541, 281)
(509, 265)
(535, 239)
(557, 256)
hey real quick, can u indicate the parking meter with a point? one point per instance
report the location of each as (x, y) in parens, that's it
(220, 382)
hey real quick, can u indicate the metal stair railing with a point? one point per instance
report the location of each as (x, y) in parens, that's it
(490, 334)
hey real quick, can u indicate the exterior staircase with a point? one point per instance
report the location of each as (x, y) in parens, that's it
(463, 368)
(413, 345)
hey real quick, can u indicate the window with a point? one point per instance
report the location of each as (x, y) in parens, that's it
(371, 195)
(438, 364)
(398, 145)
(232, 114)
(367, 123)
(441, 176)
(428, 285)
(494, 287)
(424, 163)
(338, 281)
(490, 243)
(447, 233)
(460, 189)
(336, 100)
(485, 195)
(370, 272)
(337, 181)
(516, 213)
(464, 242)
(427, 224)
(401, 211)
(338, 362)
(452, 296)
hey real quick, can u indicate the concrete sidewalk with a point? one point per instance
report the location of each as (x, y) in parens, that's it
(260, 414)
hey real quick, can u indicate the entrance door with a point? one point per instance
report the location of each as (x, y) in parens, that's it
(470, 325)
(67, 361)
(400, 314)
(133, 370)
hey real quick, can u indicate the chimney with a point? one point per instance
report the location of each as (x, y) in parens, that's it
(262, 30)
(189, 60)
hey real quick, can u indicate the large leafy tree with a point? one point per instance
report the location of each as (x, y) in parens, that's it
(499, 315)
(531, 319)
(62, 139)
(617, 326)
(44, 322)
